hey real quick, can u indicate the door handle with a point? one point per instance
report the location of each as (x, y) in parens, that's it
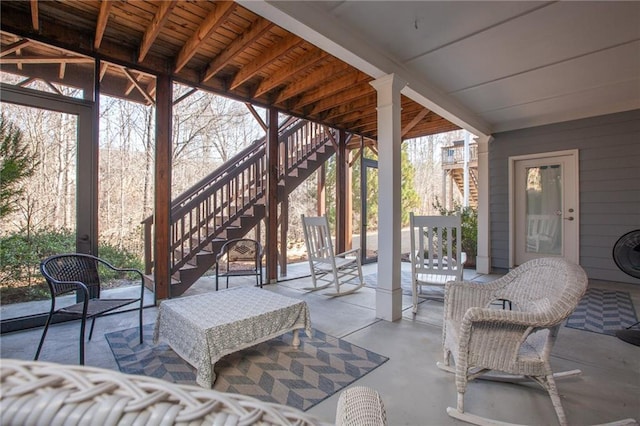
(568, 218)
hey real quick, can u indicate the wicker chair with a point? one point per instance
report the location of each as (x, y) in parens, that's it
(239, 257)
(342, 270)
(80, 273)
(481, 336)
(48, 393)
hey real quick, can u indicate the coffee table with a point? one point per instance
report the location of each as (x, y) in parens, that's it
(203, 328)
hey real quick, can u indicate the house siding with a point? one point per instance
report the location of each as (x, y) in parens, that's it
(609, 155)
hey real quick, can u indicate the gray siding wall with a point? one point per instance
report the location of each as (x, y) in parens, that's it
(609, 153)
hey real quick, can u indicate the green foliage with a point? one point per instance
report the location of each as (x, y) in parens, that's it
(409, 195)
(469, 217)
(20, 256)
(16, 164)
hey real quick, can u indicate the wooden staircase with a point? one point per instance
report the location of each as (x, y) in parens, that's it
(230, 201)
(458, 177)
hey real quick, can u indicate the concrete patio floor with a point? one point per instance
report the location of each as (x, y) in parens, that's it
(414, 390)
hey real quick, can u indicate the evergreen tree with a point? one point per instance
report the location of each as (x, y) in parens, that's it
(16, 164)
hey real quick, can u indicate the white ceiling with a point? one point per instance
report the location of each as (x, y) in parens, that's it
(486, 66)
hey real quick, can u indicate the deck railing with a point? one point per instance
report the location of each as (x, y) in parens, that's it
(452, 155)
(202, 213)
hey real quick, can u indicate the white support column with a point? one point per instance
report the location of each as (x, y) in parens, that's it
(483, 258)
(388, 290)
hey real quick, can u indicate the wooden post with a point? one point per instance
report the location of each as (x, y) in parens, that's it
(342, 164)
(271, 251)
(321, 195)
(162, 200)
(348, 203)
(284, 229)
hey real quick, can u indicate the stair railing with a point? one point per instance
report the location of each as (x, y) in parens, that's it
(203, 212)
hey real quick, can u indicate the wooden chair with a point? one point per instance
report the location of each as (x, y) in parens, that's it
(482, 337)
(436, 252)
(80, 273)
(239, 257)
(328, 268)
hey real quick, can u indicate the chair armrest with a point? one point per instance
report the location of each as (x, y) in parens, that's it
(459, 296)
(360, 405)
(348, 252)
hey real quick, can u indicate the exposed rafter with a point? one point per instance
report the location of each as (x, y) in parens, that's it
(311, 80)
(282, 47)
(213, 45)
(103, 19)
(152, 31)
(257, 30)
(35, 22)
(216, 18)
(137, 85)
(422, 114)
(305, 62)
(14, 47)
(338, 85)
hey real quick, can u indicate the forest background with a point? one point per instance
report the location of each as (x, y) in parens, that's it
(207, 130)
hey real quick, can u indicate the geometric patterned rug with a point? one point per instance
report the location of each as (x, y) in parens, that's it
(603, 311)
(271, 371)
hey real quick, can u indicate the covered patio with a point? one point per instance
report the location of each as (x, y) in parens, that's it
(320, 61)
(414, 390)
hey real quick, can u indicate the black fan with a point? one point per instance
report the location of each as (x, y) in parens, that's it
(626, 254)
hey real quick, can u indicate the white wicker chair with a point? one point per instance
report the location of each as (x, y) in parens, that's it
(482, 336)
(41, 393)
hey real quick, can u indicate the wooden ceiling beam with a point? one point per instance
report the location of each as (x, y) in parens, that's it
(341, 84)
(280, 48)
(158, 22)
(422, 114)
(316, 77)
(14, 47)
(35, 22)
(360, 104)
(310, 59)
(255, 31)
(135, 82)
(212, 22)
(357, 91)
(46, 60)
(101, 25)
(103, 69)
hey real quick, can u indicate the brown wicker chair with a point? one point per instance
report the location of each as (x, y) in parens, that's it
(482, 337)
(80, 273)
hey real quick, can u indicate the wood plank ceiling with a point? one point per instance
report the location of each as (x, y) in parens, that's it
(213, 45)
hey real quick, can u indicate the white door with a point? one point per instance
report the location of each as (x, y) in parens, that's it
(545, 214)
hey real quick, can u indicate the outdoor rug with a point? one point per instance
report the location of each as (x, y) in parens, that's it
(603, 311)
(272, 371)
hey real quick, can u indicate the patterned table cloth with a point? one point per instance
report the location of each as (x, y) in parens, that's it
(203, 328)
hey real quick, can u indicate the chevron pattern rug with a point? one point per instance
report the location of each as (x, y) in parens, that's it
(272, 371)
(603, 311)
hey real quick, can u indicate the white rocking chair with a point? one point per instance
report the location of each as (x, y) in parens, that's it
(436, 252)
(482, 337)
(342, 270)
